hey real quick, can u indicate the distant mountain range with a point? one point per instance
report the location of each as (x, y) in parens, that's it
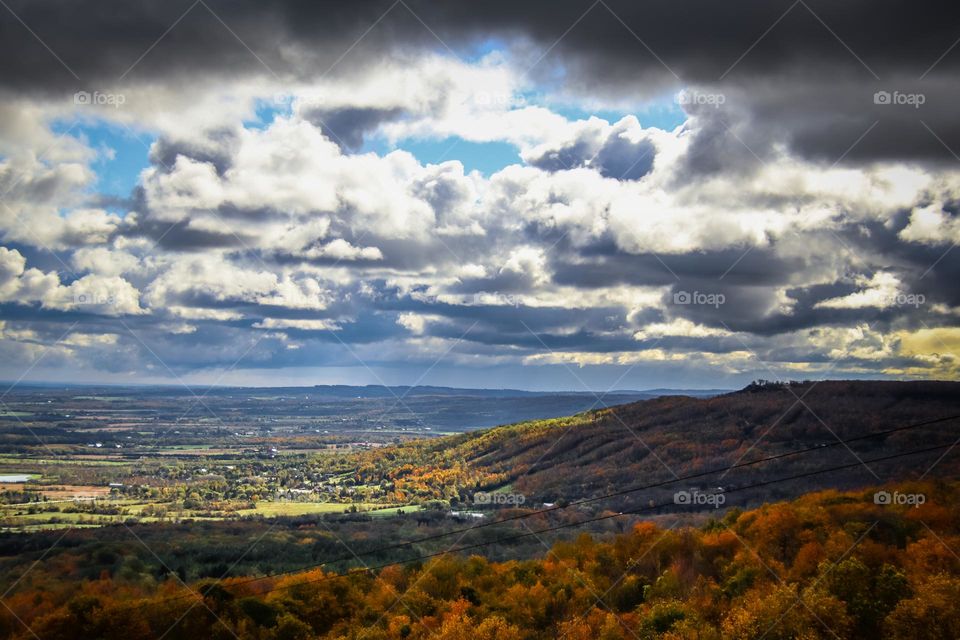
(360, 408)
(366, 391)
(380, 391)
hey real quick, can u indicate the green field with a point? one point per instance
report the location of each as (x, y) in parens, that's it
(22, 462)
(17, 518)
(392, 511)
(273, 509)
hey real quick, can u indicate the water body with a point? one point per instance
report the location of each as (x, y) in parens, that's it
(15, 477)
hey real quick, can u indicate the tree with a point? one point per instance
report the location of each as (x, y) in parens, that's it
(932, 614)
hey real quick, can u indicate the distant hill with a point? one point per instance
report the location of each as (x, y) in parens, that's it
(380, 391)
(355, 391)
(364, 409)
(638, 443)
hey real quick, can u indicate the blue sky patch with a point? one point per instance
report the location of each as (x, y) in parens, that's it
(485, 157)
(662, 114)
(121, 153)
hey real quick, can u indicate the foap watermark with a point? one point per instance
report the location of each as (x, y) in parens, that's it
(99, 299)
(499, 499)
(701, 98)
(915, 300)
(697, 498)
(303, 103)
(496, 298)
(914, 100)
(99, 99)
(287, 99)
(505, 99)
(885, 498)
(699, 298)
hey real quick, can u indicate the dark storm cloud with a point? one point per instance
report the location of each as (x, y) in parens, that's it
(929, 269)
(756, 311)
(829, 120)
(616, 157)
(103, 42)
(749, 281)
(40, 189)
(348, 126)
(575, 154)
(180, 236)
(536, 340)
(604, 265)
(623, 159)
(727, 140)
(217, 148)
(700, 40)
(805, 70)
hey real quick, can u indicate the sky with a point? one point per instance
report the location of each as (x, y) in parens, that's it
(574, 196)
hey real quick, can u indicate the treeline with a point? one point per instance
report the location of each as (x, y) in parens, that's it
(828, 565)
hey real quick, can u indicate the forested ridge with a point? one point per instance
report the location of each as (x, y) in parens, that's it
(601, 451)
(828, 565)
(835, 559)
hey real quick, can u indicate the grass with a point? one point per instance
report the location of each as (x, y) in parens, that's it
(274, 509)
(29, 521)
(44, 516)
(187, 447)
(11, 520)
(21, 462)
(48, 527)
(392, 511)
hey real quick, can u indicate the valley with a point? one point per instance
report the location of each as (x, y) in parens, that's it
(275, 472)
(89, 456)
(670, 510)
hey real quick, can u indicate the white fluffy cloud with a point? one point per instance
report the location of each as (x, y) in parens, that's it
(882, 290)
(288, 227)
(105, 295)
(931, 225)
(206, 280)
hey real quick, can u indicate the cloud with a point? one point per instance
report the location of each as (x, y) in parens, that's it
(279, 202)
(881, 290)
(274, 225)
(214, 282)
(105, 295)
(621, 151)
(300, 325)
(340, 249)
(932, 225)
(108, 295)
(105, 261)
(347, 126)
(413, 322)
(804, 75)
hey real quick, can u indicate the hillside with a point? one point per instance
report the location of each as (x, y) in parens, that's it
(828, 565)
(658, 439)
(864, 569)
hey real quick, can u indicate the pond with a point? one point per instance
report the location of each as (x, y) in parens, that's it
(15, 477)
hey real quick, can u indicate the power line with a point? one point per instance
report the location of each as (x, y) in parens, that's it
(607, 496)
(529, 514)
(565, 526)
